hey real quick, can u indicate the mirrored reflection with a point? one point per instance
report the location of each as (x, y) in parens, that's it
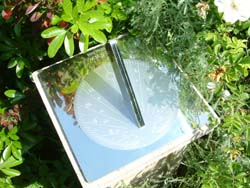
(97, 122)
(106, 118)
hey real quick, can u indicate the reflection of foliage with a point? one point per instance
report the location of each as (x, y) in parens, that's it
(136, 48)
(63, 81)
(209, 50)
(191, 104)
(189, 101)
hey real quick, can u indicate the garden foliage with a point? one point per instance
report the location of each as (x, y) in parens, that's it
(31, 32)
(214, 50)
(211, 46)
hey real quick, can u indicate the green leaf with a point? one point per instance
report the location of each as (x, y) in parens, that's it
(245, 61)
(204, 185)
(106, 7)
(217, 49)
(89, 4)
(245, 72)
(8, 181)
(55, 45)
(14, 137)
(10, 162)
(91, 22)
(99, 36)
(19, 68)
(1, 145)
(66, 17)
(241, 175)
(16, 152)
(52, 32)
(11, 172)
(2, 110)
(75, 14)
(25, 61)
(11, 93)
(71, 88)
(80, 5)
(244, 96)
(74, 28)
(13, 131)
(17, 99)
(118, 14)
(83, 42)
(35, 185)
(67, 7)
(17, 144)
(84, 27)
(107, 25)
(210, 36)
(69, 44)
(12, 63)
(238, 57)
(7, 152)
(17, 29)
(55, 20)
(95, 15)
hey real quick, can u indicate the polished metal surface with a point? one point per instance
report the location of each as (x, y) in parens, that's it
(124, 81)
(104, 115)
(95, 124)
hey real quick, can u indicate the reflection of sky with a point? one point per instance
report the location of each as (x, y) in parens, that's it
(96, 160)
(104, 115)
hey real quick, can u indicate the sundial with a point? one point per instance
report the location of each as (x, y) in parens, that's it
(119, 107)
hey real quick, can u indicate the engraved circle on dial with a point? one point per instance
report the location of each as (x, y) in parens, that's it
(105, 117)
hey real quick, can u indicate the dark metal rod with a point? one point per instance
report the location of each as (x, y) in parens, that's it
(124, 81)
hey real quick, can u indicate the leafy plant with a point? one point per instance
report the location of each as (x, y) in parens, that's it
(11, 156)
(213, 53)
(229, 52)
(81, 21)
(195, 35)
(29, 147)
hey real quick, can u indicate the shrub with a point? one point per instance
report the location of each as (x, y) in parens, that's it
(29, 146)
(215, 54)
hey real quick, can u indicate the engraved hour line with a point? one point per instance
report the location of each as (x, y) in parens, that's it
(110, 108)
